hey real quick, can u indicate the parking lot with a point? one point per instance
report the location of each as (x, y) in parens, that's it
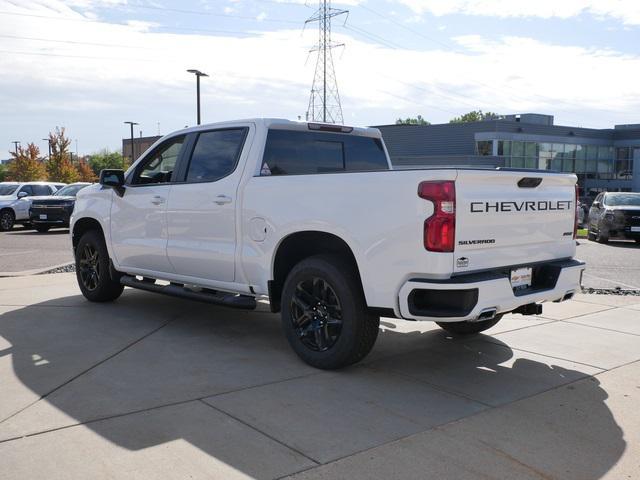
(616, 264)
(156, 387)
(24, 249)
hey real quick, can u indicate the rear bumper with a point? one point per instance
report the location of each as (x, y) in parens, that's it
(465, 297)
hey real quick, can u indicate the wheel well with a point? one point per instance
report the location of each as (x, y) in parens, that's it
(298, 246)
(8, 209)
(82, 226)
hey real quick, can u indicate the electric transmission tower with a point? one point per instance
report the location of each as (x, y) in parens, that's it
(324, 102)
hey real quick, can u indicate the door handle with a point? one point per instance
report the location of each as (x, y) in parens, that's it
(157, 200)
(222, 199)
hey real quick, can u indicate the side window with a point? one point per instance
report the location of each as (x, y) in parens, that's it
(215, 155)
(27, 189)
(158, 167)
(289, 152)
(365, 154)
(41, 190)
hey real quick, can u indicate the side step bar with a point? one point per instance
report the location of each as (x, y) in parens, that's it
(244, 302)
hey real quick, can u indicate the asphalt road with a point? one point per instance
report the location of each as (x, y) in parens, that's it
(22, 249)
(616, 264)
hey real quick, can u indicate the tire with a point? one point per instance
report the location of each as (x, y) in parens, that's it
(324, 314)
(600, 238)
(93, 269)
(42, 229)
(468, 328)
(591, 236)
(7, 219)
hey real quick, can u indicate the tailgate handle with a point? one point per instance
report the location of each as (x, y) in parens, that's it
(529, 182)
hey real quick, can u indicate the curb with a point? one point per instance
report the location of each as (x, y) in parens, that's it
(38, 271)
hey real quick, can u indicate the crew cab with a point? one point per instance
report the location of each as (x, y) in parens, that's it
(314, 219)
(15, 200)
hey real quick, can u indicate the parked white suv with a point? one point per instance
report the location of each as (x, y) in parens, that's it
(313, 218)
(15, 200)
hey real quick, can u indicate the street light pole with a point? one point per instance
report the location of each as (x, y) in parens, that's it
(131, 124)
(198, 74)
(48, 140)
(15, 144)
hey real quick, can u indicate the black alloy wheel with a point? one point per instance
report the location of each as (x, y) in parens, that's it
(6, 220)
(89, 267)
(97, 280)
(316, 314)
(324, 312)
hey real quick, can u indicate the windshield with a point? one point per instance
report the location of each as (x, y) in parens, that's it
(622, 199)
(7, 189)
(69, 190)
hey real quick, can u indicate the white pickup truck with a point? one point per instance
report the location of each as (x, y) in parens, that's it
(313, 218)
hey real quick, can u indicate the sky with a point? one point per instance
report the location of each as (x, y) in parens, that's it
(90, 65)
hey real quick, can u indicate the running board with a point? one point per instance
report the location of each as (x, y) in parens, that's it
(244, 302)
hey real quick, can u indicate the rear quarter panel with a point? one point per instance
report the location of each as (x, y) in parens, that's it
(378, 214)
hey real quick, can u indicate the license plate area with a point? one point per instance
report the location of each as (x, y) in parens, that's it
(521, 278)
(43, 216)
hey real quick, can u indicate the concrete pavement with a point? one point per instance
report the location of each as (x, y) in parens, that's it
(157, 387)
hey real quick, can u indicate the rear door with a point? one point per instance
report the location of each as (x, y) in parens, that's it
(508, 218)
(201, 212)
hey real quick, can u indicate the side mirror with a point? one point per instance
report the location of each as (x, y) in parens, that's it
(113, 178)
(23, 194)
(596, 204)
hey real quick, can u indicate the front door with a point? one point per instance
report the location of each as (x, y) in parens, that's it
(202, 206)
(139, 217)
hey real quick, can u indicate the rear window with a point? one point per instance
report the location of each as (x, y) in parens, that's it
(7, 189)
(290, 152)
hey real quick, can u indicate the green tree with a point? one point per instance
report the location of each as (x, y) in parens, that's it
(26, 165)
(412, 121)
(474, 116)
(3, 172)
(59, 166)
(105, 159)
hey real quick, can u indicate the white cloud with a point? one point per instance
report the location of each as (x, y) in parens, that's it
(126, 72)
(627, 11)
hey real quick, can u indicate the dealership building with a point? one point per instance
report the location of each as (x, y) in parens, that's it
(603, 159)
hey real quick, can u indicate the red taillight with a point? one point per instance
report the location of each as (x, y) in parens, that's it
(575, 214)
(440, 228)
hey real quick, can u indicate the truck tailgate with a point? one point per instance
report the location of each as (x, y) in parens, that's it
(506, 218)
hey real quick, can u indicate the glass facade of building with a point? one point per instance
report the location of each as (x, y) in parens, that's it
(588, 161)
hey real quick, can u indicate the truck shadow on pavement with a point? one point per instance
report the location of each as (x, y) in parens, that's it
(147, 370)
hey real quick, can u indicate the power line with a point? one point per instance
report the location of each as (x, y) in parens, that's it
(324, 102)
(455, 50)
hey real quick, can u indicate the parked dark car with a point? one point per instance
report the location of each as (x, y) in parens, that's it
(55, 210)
(615, 215)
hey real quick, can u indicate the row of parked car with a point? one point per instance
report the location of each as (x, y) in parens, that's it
(41, 205)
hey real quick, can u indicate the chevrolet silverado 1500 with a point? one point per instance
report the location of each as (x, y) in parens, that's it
(314, 218)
